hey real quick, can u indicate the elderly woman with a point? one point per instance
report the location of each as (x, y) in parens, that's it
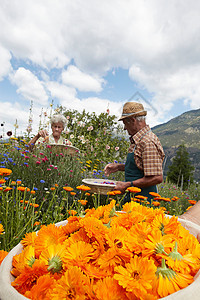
(58, 123)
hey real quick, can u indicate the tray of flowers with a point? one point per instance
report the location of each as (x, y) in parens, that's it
(64, 149)
(137, 253)
(100, 186)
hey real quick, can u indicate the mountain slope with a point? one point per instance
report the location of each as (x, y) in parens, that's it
(184, 129)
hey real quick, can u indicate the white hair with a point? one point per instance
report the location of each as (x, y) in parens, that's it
(58, 119)
(140, 118)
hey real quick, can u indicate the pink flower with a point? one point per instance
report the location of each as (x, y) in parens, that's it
(107, 147)
(71, 170)
(41, 153)
(48, 146)
(38, 162)
(48, 169)
(116, 148)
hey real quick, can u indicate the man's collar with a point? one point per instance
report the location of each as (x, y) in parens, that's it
(134, 139)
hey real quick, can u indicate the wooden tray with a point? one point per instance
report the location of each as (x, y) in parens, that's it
(97, 185)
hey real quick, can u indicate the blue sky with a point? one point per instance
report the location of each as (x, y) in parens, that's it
(97, 55)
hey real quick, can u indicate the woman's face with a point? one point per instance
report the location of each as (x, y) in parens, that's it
(57, 128)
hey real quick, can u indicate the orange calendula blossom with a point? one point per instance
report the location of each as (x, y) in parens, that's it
(133, 189)
(83, 188)
(139, 252)
(1, 228)
(5, 172)
(3, 254)
(67, 188)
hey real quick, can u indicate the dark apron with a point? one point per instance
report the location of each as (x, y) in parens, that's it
(132, 172)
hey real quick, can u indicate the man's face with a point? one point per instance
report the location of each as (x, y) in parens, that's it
(57, 128)
(130, 125)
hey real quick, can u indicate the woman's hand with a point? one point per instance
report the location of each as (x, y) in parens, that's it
(43, 133)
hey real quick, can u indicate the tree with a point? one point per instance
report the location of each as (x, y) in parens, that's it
(181, 170)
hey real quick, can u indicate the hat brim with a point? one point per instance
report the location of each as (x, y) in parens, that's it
(143, 113)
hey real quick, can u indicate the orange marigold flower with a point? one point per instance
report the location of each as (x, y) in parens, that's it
(192, 202)
(26, 280)
(29, 239)
(168, 281)
(5, 172)
(33, 192)
(48, 235)
(73, 193)
(41, 289)
(78, 254)
(56, 185)
(3, 254)
(133, 189)
(137, 276)
(36, 223)
(72, 285)
(175, 198)
(87, 194)
(156, 243)
(111, 193)
(1, 228)
(141, 197)
(164, 199)
(34, 205)
(189, 207)
(2, 181)
(102, 289)
(72, 212)
(83, 188)
(21, 188)
(52, 188)
(83, 202)
(155, 203)
(7, 189)
(154, 194)
(53, 257)
(1, 188)
(67, 188)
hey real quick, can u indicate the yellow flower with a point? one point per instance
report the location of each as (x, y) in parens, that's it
(137, 276)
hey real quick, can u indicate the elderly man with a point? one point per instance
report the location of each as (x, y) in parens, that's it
(143, 167)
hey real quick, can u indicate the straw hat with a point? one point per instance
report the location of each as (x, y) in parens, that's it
(132, 109)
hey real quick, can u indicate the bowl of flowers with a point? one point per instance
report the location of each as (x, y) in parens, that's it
(137, 253)
(100, 186)
(64, 149)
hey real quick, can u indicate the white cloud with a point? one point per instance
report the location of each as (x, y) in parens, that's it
(5, 64)
(61, 92)
(157, 41)
(29, 86)
(81, 81)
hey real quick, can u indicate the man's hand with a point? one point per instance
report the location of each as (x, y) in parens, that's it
(122, 186)
(110, 168)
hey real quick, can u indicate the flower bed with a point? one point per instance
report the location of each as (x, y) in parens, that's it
(140, 252)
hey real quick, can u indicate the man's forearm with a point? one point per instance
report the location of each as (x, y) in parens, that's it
(147, 181)
(121, 167)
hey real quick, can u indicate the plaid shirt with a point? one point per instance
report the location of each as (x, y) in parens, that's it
(148, 153)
